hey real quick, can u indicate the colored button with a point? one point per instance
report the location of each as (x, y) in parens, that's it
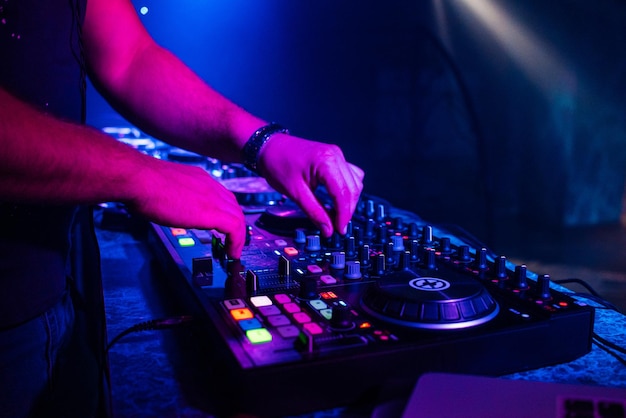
(290, 251)
(291, 307)
(313, 328)
(234, 304)
(247, 324)
(269, 310)
(301, 317)
(240, 314)
(328, 295)
(186, 242)
(259, 335)
(282, 298)
(260, 301)
(314, 269)
(278, 320)
(327, 313)
(288, 331)
(328, 279)
(178, 231)
(318, 304)
(280, 242)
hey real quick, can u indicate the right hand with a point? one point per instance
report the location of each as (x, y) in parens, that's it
(177, 195)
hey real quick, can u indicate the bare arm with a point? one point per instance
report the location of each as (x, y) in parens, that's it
(156, 91)
(45, 160)
(161, 95)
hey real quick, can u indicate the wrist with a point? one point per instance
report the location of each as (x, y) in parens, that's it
(251, 151)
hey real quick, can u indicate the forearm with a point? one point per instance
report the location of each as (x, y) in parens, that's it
(163, 97)
(45, 160)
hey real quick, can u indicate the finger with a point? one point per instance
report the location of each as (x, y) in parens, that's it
(310, 205)
(344, 184)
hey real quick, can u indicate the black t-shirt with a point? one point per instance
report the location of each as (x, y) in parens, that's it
(40, 63)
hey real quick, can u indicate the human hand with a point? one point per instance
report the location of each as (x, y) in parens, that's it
(295, 167)
(178, 195)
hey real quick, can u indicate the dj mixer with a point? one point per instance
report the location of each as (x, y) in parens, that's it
(303, 323)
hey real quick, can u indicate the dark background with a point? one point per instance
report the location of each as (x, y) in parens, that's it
(497, 116)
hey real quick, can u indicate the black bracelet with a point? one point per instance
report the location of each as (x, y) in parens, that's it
(252, 148)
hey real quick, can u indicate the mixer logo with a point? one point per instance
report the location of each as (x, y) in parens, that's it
(429, 284)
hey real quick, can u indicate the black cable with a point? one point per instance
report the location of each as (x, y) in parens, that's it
(154, 324)
(609, 348)
(580, 282)
(609, 343)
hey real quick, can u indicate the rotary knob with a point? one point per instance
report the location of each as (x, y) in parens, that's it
(341, 316)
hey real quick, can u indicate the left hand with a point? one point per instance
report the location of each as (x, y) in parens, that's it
(296, 166)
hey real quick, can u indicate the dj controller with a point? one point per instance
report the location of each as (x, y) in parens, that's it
(303, 323)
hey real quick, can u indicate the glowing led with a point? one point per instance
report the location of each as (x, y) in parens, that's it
(313, 328)
(186, 242)
(241, 314)
(143, 10)
(328, 295)
(259, 335)
(260, 301)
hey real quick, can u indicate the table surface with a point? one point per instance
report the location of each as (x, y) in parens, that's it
(161, 373)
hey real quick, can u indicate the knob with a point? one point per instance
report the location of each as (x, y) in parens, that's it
(380, 214)
(414, 248)
(500, 267)
(369, 229)
(338, 260)
(543, 287)
(364, 256)
(334, 241)
(430, 261)
(398, 224)
(379, 264)
(349, 228)
(313, 243)
(350, 247)
(481, 260)
(353, 270)
(389, 253)
(341, 316)
(358, 235)
(381, 236)
(308, 288)
(370, 208)
(463, 254)
(300, 236)
(521, 277)
(427, 235)
(413, 231)
(444, 246)
(398, 243)
(404, 261)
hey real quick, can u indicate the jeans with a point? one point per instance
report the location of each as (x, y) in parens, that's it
(38, 368)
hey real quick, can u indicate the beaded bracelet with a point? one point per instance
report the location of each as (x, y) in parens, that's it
(252, 148)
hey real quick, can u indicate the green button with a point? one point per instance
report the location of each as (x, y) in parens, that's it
(259, 335)
(186, 242)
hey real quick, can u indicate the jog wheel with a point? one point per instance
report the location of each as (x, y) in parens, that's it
(409, 299)
(252, 193)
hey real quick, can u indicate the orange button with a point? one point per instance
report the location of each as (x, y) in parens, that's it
(243, 313)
